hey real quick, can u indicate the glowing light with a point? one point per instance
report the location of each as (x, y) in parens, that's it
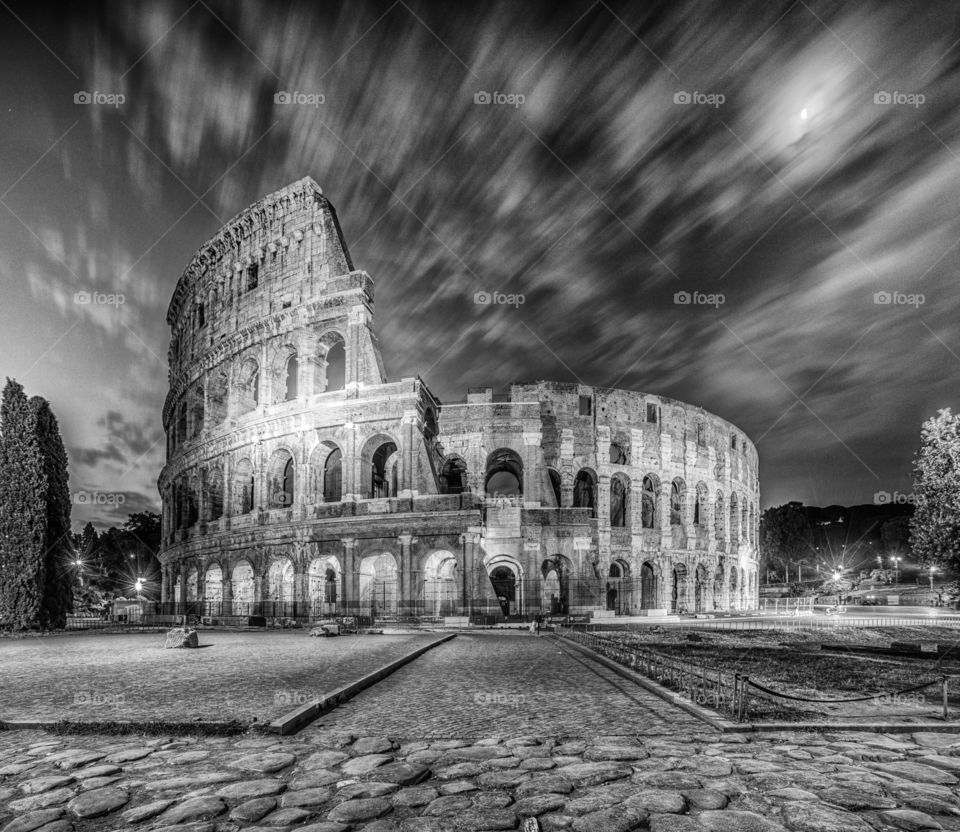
(803, 114)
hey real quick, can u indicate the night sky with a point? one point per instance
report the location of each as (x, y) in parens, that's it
(786, 161)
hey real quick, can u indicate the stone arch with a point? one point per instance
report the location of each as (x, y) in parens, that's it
(243, 487)
(197, 411)
(650, 502)
(555, 572)
(700, 503)
(376, 479)
(325, 473)
(648, 586)
(248, 385)
(215, 490)
(218, 392)
(556, 487)
(281, 479)
(193, 584)
(323, 584)
(678, 496)
(213, 587)
(504, 474)
(506, 579)
(734, 520)
(378, 585)
(280, 586)
(330, 363)
(181, 422)
(242, 584)
(619, 588)
(619, 501)
(678, 593)
(719, 515)
(453, 475)
(585, 490)
(718, 577)
(439, 589)
(744, 521)
(701, 589)
(734, 593)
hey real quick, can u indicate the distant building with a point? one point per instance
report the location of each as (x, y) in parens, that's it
(300, 482)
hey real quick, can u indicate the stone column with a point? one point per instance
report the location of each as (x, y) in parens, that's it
(182, 600)
(350, 590)
(469, 591)
(350, 463)
(226, 606)
(405, 590)
(411, 436)
(227, 486)
(567, 473)
(164, 583)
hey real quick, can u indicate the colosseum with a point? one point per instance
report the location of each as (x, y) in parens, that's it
(301, 483)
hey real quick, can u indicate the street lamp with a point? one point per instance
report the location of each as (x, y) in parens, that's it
(932, 570)
(896, 570)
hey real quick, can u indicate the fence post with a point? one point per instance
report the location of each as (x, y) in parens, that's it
(744, 693)
(945, 713)
(734, 704)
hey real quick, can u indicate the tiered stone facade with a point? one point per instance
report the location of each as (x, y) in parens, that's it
(299, 481)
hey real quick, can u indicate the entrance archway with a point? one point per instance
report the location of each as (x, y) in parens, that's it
(279, 600)
(734, 594)
(678, 595)
(213, 590)
(504, 581)
(619, 588)
(378, 585)
(700, 589)
(242, 588)
(648, 587)
(323, 582)
(439, 592)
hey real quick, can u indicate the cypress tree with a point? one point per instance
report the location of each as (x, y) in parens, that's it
(57, 586)
(23, 511)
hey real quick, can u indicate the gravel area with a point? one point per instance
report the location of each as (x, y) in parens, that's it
(242, 676)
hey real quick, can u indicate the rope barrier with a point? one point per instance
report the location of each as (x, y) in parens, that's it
(850, 699)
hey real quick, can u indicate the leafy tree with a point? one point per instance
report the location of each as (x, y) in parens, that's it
(23, 512)
(57, 548)
(895, 535)
(785, 538)
(935, 526)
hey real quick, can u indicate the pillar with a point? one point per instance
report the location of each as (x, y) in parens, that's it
(350, 589)
(407, 596)
(411, 436)
(469, 591)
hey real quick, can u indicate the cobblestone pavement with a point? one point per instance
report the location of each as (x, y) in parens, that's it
(336, 780)
(129, 676)
(513, 684)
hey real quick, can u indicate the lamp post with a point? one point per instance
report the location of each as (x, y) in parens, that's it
(896, 570)
(932, 570)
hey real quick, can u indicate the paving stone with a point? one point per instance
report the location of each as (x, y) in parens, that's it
(674, 823)
(916, 772)
(424, 824)
(678, 780)
(33, 820)
(369, 788)
(910, 819)
(529, 807)
(615, 752)
(939, 761)
(263, 787)
(657, 800)
(187, 757)
(732, 820)
(324, 826)
(76, 759)
(491, 800)
(455, 772)
(501, 763)
(477, 753)
(382, 826)
(43, 784)
(458, 787)
(310, 797)
(266, 762)
(98, 802)
(324, 759)
(285, 817)
(200, 778)
(99, 782)
(617, 819)
(932, 739)
(313, 779)
(544, 785)
(703, 799)
(365, 764)
(54, 797)
(790, 794)
(404, 774)
(448, 805)
(197, 808)
(856, 799)
(590, 774)
(251, 811)
(371, 745)
(502, 779)
(807, 816)
(416, 796)
(125, 755)
(485, 819)
(353, 811)
(537, 764)
(145, 812)
(97, 771)
(591, 803)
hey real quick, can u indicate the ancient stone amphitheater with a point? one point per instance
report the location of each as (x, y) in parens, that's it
(301, 483)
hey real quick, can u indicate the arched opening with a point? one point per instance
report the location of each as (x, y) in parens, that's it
(323, 579)
(439, 592)
(504, 477)
(193, 583)
(555, 486)
(248, 386)
(700, 505)
(453, 476)
(718, 584)
(504, 582)
(718, 517)
(213, 590)
(279, 595)
(217, 398)
(678, 595)
(378, 585)
(743, 589)
(242, 584)
(330, 364)
(556, 572)
(648, 509)
(618, 454)
(333, 477)
(619, 589)
(197, 412)
(281, 479)
(618, 502)
(648, 587)
(734, 593)
(382, 479)
(243, 486)
(182, 423)
(191, 499)
(734, 521)
(215, 492)
(290, 378)
(585, 491)
(676, 503)
(700, 587)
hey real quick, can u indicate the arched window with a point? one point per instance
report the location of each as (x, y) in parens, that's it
(217, 398)
(248, 384)
(331, 364)
(215, 492)
(288, 483)
(618, 455)
(280, 479)
(381, 478)
(333, 477)
(718, 519)
(453, 476)
(197, 412)
(648, 508)
(504, 476)
(734, 520)
(585, 491)
(555, 485)
(676, 503)
(618, 503)
(243, 486)
(700, 505)
(291, 378)
(182, 424)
